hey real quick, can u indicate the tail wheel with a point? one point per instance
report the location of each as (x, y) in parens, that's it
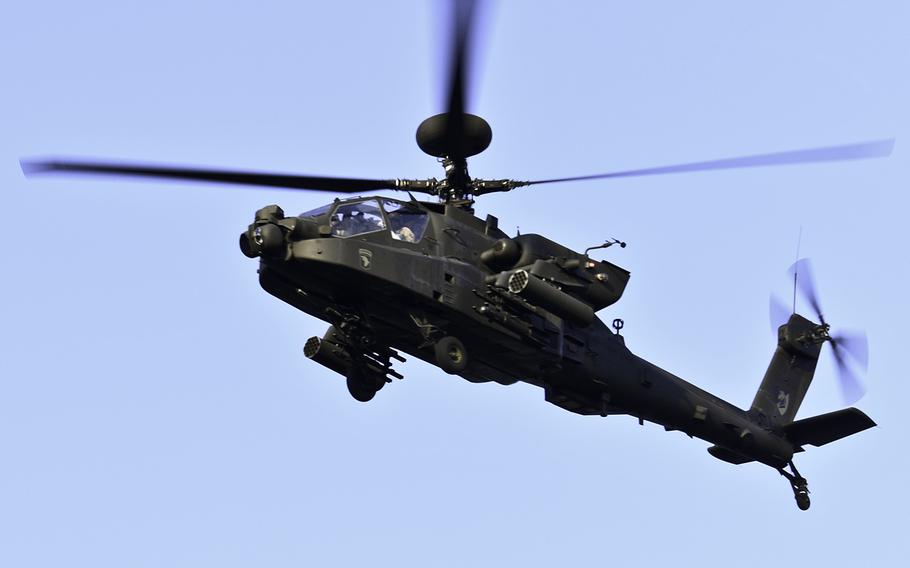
(451, 355)
(802, 500)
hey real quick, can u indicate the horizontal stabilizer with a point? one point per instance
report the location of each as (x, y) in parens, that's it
(728, 455)
(824, 428)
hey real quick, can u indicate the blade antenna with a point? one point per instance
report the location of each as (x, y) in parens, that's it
(799, 240)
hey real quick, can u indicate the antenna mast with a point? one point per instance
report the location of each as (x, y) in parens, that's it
(795, 267)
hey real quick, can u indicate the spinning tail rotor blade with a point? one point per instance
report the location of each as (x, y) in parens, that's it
(850, 348)
(861, 151)
(851, 389)
(855, 344)
(778, 311)
(42, 166)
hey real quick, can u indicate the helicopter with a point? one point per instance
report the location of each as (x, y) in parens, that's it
(430, 280)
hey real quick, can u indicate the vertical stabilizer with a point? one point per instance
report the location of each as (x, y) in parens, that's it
(790, 373)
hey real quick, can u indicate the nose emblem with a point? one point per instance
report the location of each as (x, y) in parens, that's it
(366, 258)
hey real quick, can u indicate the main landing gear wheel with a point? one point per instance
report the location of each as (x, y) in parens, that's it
(360, 387)
(451, 355)
(800, 486)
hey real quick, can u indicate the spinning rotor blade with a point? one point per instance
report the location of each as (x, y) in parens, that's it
(285, 181)
(778, 312)
(851, 389)
(462, 18)
(862, 151)
(846, 346)
(855, 344)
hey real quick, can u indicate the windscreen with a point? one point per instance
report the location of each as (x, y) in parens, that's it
(356, 219)
(318, 211)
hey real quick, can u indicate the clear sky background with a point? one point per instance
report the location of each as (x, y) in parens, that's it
(156, 408)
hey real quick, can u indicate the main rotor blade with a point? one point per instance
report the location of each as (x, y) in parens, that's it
(861, 151)
(42, 166)
(805, 282)
(462, 20)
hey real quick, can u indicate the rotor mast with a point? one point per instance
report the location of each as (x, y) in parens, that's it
(458, 181)
(452, 139)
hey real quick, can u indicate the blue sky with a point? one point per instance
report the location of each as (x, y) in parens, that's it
(155, 405)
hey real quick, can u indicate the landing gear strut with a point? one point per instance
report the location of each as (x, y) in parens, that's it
(799, 484)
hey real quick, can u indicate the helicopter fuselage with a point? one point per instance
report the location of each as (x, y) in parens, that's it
(381, 292)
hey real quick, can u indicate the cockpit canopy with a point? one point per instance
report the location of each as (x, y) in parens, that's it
(406, 221)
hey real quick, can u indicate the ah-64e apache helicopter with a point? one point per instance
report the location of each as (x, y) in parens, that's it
(432, 280)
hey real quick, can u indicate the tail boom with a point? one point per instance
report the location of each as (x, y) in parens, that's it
(789, 374)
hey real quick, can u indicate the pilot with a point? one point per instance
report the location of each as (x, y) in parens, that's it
(404, 234)
(364, 224)
(358, 223)
(344, 225)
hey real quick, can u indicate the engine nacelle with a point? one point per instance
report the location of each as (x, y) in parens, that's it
(502, 255)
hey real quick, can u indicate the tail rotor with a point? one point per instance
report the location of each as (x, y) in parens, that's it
(849, 347)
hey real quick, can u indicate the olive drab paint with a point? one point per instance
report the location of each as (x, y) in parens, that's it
(461, 294)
